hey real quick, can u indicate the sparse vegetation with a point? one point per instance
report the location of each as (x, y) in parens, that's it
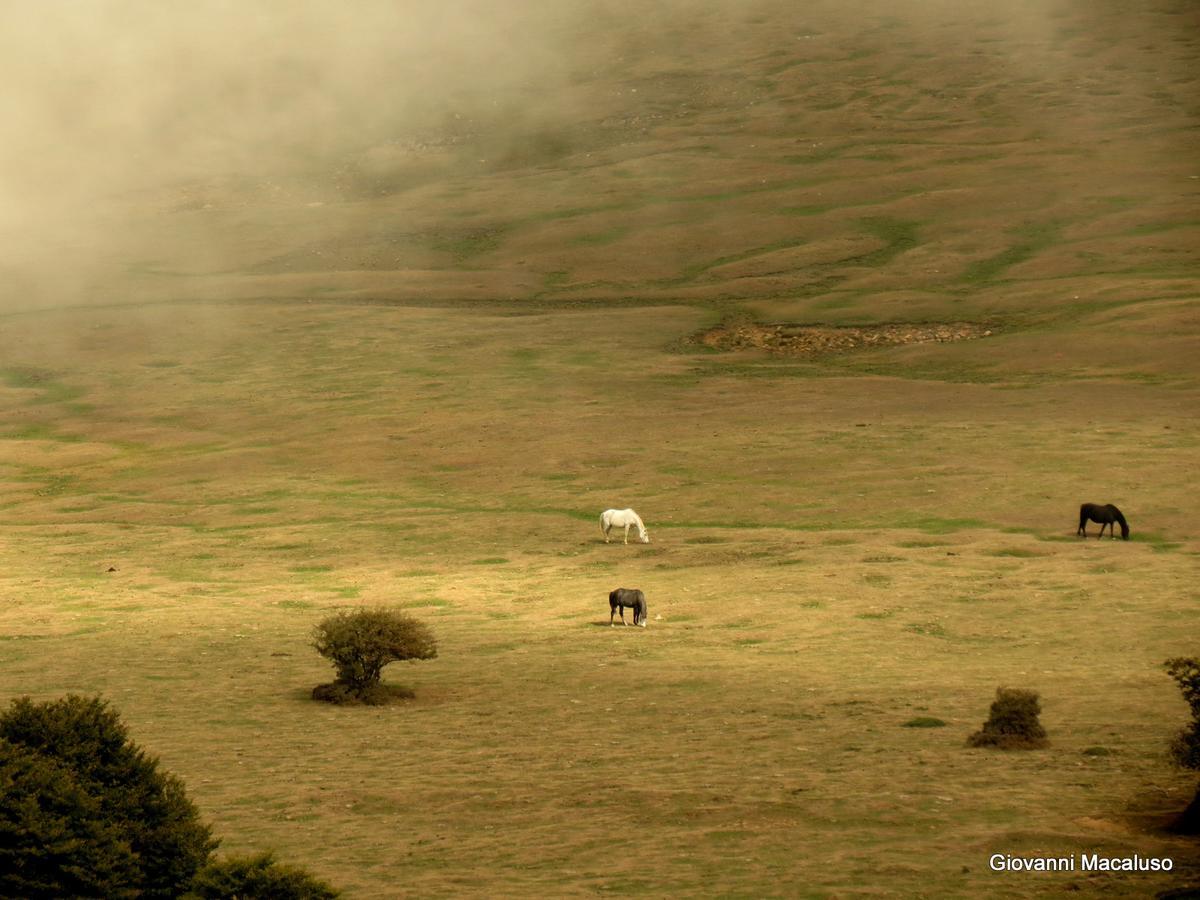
(360, 643)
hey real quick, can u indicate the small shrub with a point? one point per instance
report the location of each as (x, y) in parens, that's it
(1185, 749)
(70, 763)
(924, 722)
(1012, 722)
(360, 643)
(238, 878)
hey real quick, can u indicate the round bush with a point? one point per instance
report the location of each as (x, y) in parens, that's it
(360, 643)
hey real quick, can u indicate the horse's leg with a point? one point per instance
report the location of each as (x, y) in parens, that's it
(611, 613)
(626, 541)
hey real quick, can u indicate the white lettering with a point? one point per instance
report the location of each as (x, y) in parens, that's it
(1096, 863)
(1001, 862)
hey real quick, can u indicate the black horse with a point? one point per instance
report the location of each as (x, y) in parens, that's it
(623, 597)
(1105, 515)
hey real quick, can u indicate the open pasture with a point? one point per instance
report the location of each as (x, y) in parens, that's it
(832, 557)
(855, 305)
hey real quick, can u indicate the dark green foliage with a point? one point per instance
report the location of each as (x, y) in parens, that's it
(1012, 722)
(105, 811)
(924, 722)
(1185, 749)
(360, 643)
(246, 877)
(378, 694)
(54, 839)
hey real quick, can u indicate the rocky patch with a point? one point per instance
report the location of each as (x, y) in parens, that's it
(817, 340)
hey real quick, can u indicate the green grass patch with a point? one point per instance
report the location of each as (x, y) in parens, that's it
(39, 432)
(898, 235)
(44, 381)
(1156, 542)
(1032, 240)
(602, 238)
(436, 602)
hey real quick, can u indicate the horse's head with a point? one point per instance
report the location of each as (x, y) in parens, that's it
(644, 537)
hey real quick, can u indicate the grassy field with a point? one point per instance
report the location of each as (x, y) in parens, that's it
(419, 382)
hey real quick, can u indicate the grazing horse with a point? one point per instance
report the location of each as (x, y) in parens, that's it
(623, 597)
(611, 518)
(1104, 514)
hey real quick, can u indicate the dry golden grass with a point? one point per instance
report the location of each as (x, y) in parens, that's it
(832, 557)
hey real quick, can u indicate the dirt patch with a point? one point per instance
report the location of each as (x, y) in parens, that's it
(814, 340)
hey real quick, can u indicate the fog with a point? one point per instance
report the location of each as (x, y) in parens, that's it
(103, 99)
(106, 102)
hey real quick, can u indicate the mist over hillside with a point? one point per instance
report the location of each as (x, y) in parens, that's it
(599, 149)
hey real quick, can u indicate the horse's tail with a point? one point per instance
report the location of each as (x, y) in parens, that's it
(1121, 521)
(602, 531)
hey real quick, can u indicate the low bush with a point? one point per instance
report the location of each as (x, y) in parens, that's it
(925, 722)
(241, 877)
(1185, 749)
(1012, 722)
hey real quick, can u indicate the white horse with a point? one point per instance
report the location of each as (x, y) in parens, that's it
(611, 518)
